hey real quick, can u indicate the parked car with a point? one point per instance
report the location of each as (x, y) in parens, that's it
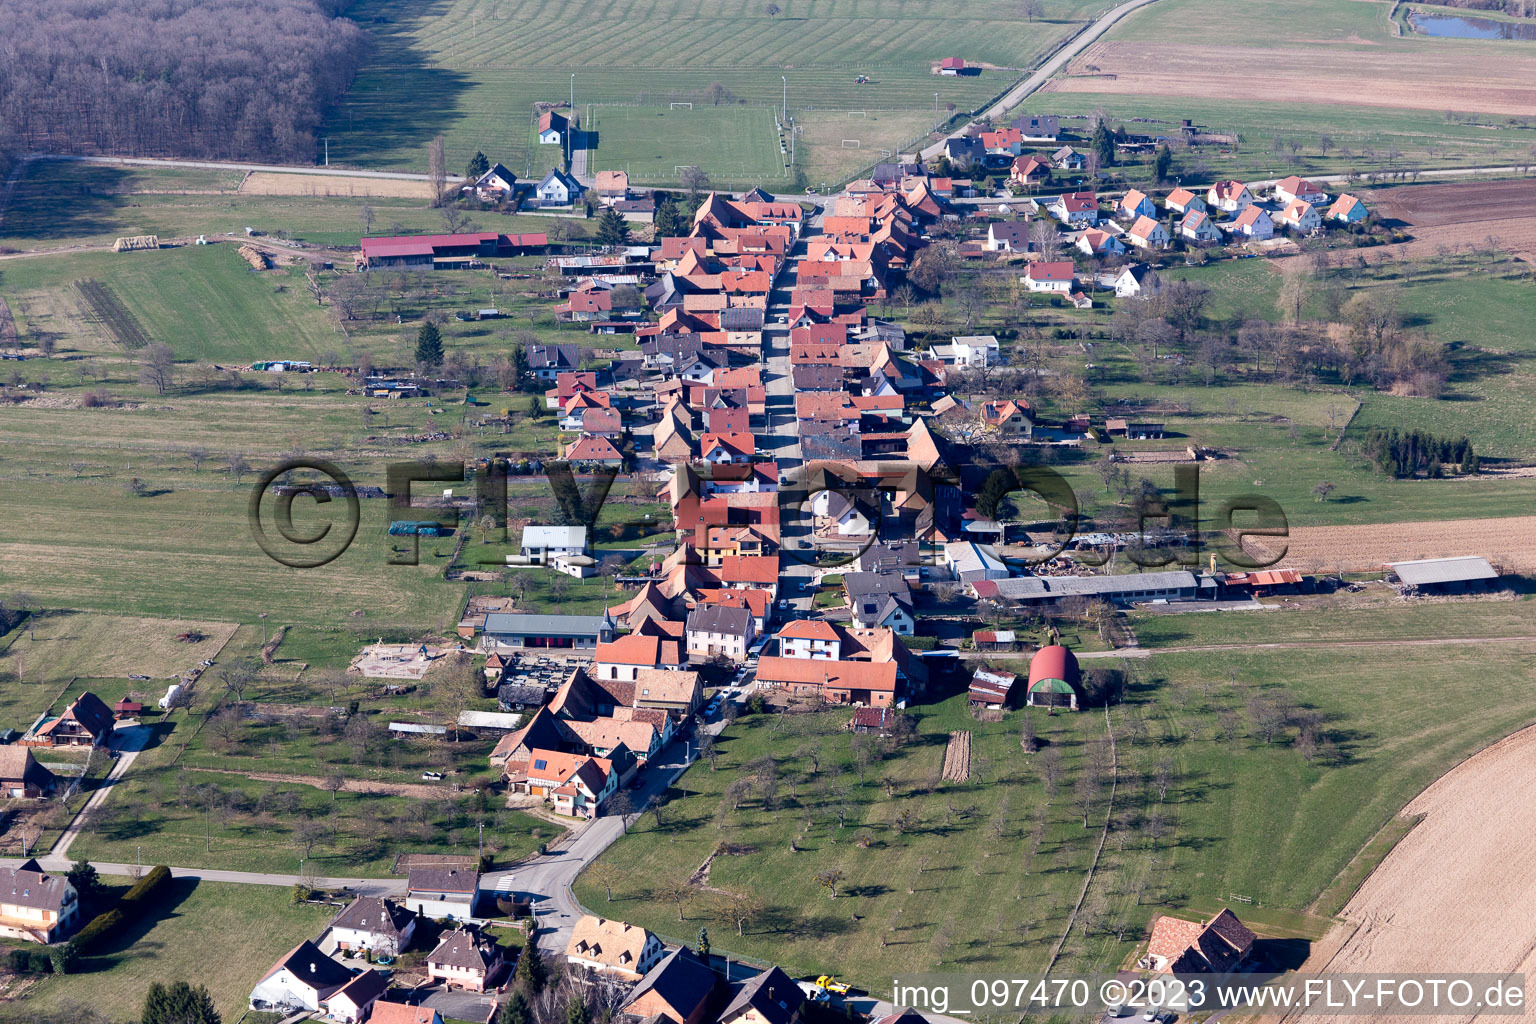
(432, 776)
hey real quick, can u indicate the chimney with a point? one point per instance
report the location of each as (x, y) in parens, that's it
(311, 968)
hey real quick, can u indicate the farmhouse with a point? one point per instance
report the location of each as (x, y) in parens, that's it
(21, 777)
(87, 722)
(302, 980)
(952, 66)
(1009, 418)
(1056, 277)
(612, 947)
(1445, 575)
(1053, 678)
(36, 906)
(465, 959)
(1219, 945)
(579, 632)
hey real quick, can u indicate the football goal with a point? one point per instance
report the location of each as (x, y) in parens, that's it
(850, 143)
(857, 113)
(688, 105)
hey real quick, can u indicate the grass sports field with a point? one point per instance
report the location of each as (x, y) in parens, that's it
(735, 144)
(472, 70)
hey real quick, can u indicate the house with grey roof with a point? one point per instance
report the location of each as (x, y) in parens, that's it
(36, 905)
(719, 629)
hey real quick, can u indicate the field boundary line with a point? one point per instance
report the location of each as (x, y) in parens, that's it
(1109, 817)
(1345, 428)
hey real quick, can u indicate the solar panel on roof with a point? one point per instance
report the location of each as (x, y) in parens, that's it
(540, 764)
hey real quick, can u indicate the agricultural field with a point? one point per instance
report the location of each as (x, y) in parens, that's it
(1416, 101)
(197, 917)
(469, 69)
(54, 647)
(654, 143)
(1273, 817)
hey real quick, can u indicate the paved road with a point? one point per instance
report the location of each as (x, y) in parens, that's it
(1077, 44)
(782, 428)
(547, 879)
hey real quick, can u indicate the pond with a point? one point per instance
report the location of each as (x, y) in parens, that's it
(1458, 27)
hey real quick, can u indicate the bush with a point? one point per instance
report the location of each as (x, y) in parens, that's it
(18, 960)
(99, 928)
(39, 962)
(133, 904)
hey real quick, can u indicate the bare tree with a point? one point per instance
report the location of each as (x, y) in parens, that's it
(1032, 9)
(157, 367)
(365, 218)
(694, 179)
(740, 906)
(605, 876)
(437, 168)
(238, 467)
(830, 879)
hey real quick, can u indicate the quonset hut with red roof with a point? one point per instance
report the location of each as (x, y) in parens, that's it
(1053, 678)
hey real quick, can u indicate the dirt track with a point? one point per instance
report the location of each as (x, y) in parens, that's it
(350, 786)
(1456, 894)
(1431, 80)
(1508, 542)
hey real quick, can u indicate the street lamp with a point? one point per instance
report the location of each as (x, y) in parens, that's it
(935, 111)
(784, 103)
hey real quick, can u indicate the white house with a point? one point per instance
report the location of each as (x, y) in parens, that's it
(1007, 236)
(1253, 223)
(1149, 234)
(1197, 227)
(1229, 196)
(810, 638)
(1080, 209)
(1138, 279)
(1068, 158)
(1301, 216)
(496, 182)
(1094, 242)
(302, 980)
(557, 188)
(1288, 190)
(1053, 277)
(353, 1003)
(625, 951)
(718, 629)
(374, 923)
(969, 562)
(1182, 200)
(544, 543)
(976, 350)
(465, 959)
(36, 905)
(552, 128)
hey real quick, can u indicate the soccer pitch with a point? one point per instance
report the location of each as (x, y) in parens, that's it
(733, 144)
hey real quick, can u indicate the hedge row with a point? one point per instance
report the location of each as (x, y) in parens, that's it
(130, 907)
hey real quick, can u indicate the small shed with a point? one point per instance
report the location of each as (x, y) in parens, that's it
(127, 709)
(992, 689)
(1053, 678)
(994, 639)
(874, 720)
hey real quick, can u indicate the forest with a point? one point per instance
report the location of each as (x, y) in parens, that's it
(220, 79)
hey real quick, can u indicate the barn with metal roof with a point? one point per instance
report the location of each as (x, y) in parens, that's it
(1053, 678)
(1445, 575)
